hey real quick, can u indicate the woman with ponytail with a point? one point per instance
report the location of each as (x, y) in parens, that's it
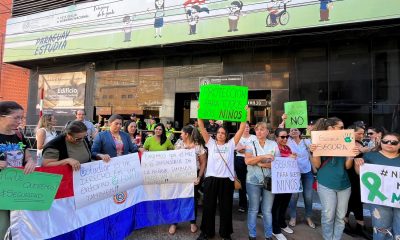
(191, 139)
(334, 186)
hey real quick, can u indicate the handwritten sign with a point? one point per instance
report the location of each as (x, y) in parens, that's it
(296, 114)
(99, 180)
(35, 191)
(285, 176)
(380, 184)
(333, 142)
(177, 166)
(220, 102)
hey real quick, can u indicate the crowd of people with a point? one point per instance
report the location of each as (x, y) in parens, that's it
(248, 155)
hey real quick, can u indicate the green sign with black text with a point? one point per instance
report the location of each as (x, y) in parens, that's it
(35, 191)
(222, 102)
(296, 114)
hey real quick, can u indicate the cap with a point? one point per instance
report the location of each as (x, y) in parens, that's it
(133, 115)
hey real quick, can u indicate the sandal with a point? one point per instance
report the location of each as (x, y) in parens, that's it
(310, 223)
(292, 222)
(193, 228)
(172, 229)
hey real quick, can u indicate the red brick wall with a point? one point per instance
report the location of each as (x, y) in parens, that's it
(14, 81)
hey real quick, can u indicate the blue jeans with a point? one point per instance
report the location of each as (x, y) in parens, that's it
(255, 192)
(307, 180)
(334, 208)
(385, 222)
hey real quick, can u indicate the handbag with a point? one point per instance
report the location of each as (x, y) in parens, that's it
(267, 181)
(315, 183)
(236, 181)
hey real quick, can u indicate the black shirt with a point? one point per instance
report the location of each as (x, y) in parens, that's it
(12, 149)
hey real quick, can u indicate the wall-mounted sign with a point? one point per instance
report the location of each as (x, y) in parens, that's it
(236, 80)
(107, 25)
(63, 92)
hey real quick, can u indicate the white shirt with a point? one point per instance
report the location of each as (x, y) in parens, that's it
(216, 167)
(245, 142)
(303, 155)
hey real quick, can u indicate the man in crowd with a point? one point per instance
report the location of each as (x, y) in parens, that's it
(91, 129)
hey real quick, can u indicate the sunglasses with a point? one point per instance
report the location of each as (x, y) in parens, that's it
(77, 139)
(284, 137)
(370, 133)
(391, 142)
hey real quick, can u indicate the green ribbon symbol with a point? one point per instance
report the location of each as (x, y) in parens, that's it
(373, 187)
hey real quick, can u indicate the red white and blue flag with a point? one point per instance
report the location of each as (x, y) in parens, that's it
(112, 218)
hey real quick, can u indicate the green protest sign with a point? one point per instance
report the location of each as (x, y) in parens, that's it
(35, 191)
(296, 114)
(222, 102)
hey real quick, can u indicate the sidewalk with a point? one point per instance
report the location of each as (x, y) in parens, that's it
(301, 231)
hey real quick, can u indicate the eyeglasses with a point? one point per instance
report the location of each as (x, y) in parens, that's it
(391, 142)
(370, 133)
(284, 137)
(16, 118)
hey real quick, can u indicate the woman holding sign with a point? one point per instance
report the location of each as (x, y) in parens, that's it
(218, 182)
(191, 139)
(70, 148)
(113, 142)
(13, 149)
(385, 219)
(333, 184)
(281, 200)
(258, 157)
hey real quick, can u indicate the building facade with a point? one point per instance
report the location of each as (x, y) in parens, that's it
(343, 57)
(14, 80)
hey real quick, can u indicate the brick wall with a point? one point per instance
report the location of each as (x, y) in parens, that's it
(14, 81)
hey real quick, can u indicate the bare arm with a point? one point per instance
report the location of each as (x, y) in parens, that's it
(239, 133)
(40, 137)
(75, 164)
(358, 162)
(316, 161)
(203, 130)
(203, 163)
(282, 124)
(30, 163)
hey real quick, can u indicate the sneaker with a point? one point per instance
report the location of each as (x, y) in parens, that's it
(241, 209)
(252, 238)
(287, 230)
(260, 215)
(202, 236)
(279, 236)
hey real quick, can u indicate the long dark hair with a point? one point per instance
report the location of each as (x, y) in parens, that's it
(194, 134)
(163, 137)
(226, 133)
(325, 123)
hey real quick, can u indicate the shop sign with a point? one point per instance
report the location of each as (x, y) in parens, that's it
(257, 103)
(222, 80)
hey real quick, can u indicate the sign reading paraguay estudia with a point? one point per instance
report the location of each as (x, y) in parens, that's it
(107, 25)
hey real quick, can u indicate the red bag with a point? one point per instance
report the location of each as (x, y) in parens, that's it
(315, 185)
